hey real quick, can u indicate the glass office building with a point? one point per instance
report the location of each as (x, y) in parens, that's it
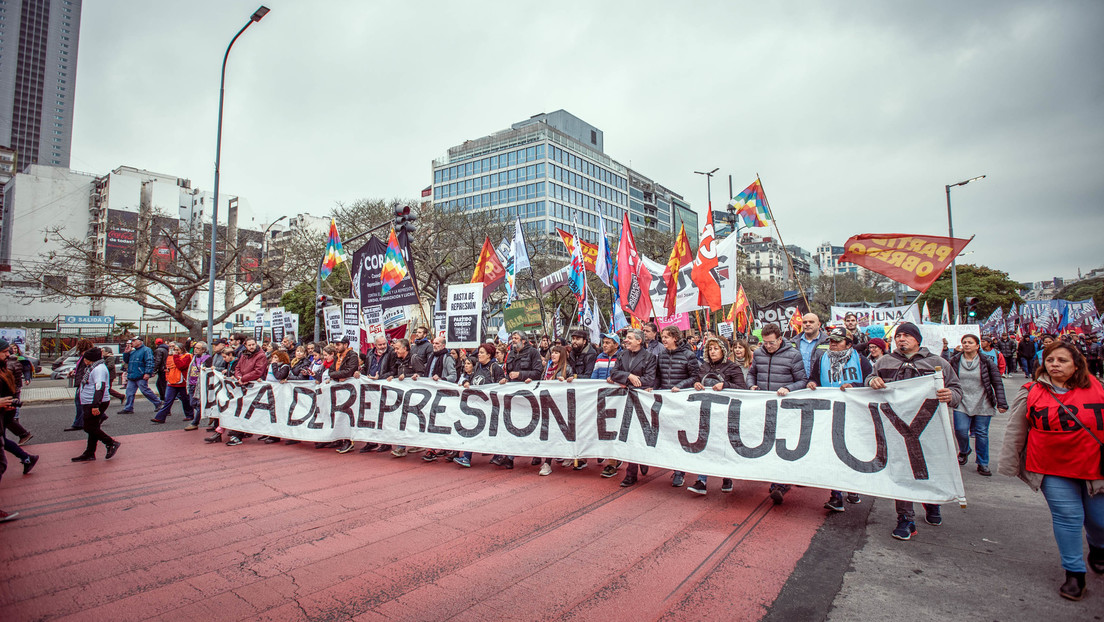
(549, 170)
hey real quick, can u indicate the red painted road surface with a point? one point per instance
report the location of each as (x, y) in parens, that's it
(173, 529)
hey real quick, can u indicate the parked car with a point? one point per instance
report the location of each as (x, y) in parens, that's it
(66, 363)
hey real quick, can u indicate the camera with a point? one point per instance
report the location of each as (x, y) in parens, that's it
(16, 403)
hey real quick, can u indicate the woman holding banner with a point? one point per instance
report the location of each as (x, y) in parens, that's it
(1059, 448)
(484, 370)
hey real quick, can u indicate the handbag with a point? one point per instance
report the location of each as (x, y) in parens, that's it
(1062, 408)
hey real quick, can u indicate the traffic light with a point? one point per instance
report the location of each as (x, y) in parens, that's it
(321, 303)
(404, 220)
(971, 308)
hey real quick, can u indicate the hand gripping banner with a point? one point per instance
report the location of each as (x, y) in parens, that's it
(895, 442)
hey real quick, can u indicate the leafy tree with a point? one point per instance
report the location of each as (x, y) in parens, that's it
(300, 299)
(992, 288)
(1088, 288)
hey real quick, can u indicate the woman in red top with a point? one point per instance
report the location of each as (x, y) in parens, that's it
(176, 377)
(1054, 443)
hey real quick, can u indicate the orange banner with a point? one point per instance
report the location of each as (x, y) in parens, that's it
(915, 260)
(590, 251)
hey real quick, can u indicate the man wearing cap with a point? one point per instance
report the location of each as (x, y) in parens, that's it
(909, 360)
(582, 354)
(840, 366)
(607, 358)
(859, 339)
(139, 362)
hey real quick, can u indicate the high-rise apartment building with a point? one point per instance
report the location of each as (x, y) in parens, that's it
(550, 170)
(38, 78)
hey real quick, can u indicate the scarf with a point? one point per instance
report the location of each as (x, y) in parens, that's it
(836, 362)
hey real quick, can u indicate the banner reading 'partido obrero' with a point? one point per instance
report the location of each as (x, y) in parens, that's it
(895, 442)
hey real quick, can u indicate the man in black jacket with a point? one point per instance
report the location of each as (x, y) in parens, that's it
(676, 368)
(523, 362)
(635, 369)
(778, 367)
(583, 354)
(402, 365)
(160, 354)
(422, 346)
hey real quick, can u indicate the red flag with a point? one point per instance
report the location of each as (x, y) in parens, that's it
(709, 291)
(738, 306)
(590, 251)
(680, 256)
(633, 279)
(915, 260)
(796, 321)
(488, 270)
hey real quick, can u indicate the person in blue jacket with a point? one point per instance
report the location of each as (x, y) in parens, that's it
(139, 362)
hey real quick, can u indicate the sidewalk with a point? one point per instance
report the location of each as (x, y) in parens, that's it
(996, 559)
(41, 395)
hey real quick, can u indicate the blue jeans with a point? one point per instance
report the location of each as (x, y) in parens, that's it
(139, 384)
(965, 425)
(1071, 510)
(175, 393)
(14, 449)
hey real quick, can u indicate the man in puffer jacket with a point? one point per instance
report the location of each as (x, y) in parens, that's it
(523, 362)
(635, 369)
(676, 368)
(777, 367)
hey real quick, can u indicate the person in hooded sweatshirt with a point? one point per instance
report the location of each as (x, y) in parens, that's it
(717, 373)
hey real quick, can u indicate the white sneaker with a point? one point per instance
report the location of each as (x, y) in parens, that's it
(546, 469)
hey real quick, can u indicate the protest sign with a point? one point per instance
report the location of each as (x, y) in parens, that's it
(350, 320)
(464, 315)
(778, 312)
(335, 328)
(895, 443)
(366, 267)
(278, 330)
(440, 321)
(393, 317)
(934, 334)
(373, 320)
(724, 329)
(871, 316)
(258, 326)
(523, 314)
(680, 321)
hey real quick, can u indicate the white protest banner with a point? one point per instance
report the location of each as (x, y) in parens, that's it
(934, 334)
(440, 321)
(277, 317)
(871, 316)
(464, 315)
(393, 317)
(895, 443)
(334, 327)
(724, 329)
(373, 320)
(258, 326)
(350, 320)
(289, 323)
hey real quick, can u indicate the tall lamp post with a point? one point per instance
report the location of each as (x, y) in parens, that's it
(708, 188)
(256, 17)
(950, 233)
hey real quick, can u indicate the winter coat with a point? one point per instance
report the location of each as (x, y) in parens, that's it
(160, 356)
(378, 362)
(486, 374)
(178, 374)
(345, 366)
(300, 370)
(250, 367)
(896, 366)
(990, 379)
(279, 371)
(526, 361)
(1026, 349)
(678, 368)
(422, 348)
(731, 374)
(139, 363)
(405, 366)
(582, 363)
(640, 363)
(441, 365)
(773, 371)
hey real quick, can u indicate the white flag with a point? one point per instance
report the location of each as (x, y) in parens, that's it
(521, 255)
(601, 264)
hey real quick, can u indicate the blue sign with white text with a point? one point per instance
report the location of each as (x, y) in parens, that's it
(88, 320)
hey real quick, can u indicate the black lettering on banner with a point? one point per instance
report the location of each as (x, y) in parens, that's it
(1038, 417)
(1065, 418)
(364, 405)
(534, 409)
(548, 406)
(650, 427)
(436, 408)
(1098, 410)
(345, 406)
(808, 409)
(770, 430)
(704, 416)
(385, 407)
(312, 408)
(911, 432)
(496, 409)
(412, 407)
(212, 385)
(605, 413)
(471, 411)
(260, 404)
(839, 441)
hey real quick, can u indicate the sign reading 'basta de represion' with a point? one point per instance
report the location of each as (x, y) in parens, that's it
(895, 442)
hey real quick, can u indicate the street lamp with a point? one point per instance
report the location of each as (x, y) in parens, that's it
(708, 189)
(950, 233)
(256, 17)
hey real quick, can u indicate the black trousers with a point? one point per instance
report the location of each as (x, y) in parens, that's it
(161, 385)
(92, 425)
(11, 423)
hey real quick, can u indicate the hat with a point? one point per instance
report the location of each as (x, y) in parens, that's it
(92, 354)
(850, 314)
(908, 328)
(344, 339)
(578, 332)
(878, 342)
(4, 345)
(839, 333)
(612, 336)
(158, 341)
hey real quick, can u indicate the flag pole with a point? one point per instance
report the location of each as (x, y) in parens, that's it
(533, 276)
(785, 250)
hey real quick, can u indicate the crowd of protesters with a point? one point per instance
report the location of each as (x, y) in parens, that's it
(819, 357)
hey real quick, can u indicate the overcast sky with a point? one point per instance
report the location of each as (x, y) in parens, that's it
(855, 114)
